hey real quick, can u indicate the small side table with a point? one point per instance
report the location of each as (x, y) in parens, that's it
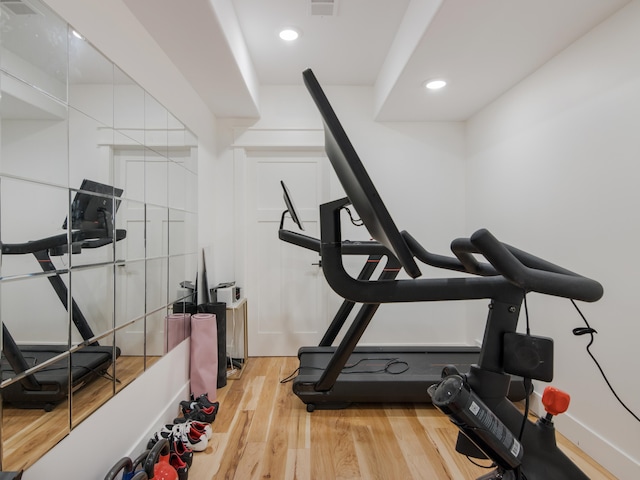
(237, 314)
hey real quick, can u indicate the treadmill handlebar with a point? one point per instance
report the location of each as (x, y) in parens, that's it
(349, 247)
(85, 238)
(532, 273)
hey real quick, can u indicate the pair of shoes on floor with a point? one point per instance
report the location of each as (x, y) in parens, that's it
(201, 427)
(193, 437)
(202, 400)
(197, 412)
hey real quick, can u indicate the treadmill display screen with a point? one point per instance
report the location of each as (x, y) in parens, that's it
(87, 210)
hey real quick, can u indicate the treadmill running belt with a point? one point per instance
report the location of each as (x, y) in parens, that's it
(378, 374)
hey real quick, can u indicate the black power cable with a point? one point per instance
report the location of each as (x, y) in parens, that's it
(526, 381)
(590, 331)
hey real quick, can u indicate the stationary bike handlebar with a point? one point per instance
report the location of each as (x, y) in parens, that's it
(528, 271)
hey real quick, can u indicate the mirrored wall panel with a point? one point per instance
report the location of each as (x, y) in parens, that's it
(98, 229)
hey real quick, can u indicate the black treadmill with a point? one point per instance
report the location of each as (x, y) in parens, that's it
(333, 377)
(91, 226)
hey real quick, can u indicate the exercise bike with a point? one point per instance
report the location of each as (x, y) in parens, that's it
(476, 402)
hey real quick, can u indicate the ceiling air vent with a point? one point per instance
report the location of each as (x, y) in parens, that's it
(18, 7)
(324, 8)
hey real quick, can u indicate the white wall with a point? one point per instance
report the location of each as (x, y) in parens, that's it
(553, 168)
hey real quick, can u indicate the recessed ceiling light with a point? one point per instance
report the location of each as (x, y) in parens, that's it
(289, 34)
(435, 84)
(77, 35)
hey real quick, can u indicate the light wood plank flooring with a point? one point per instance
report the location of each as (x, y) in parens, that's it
(263, 431)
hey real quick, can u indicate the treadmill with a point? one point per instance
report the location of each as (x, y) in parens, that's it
(91, 226)
(333, 377)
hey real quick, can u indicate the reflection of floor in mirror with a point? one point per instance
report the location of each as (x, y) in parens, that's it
(29, 434)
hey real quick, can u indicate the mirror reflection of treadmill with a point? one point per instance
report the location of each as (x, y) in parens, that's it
(334, 377)
(91, 227)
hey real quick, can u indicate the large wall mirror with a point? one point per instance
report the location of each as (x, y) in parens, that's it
(98, 228)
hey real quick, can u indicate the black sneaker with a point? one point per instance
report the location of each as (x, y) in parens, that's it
(179, 448)
(203, 401)
(198, 413)
(179, 465)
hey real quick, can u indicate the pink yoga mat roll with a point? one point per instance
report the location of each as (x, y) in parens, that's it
(176, 328)
(204, 355)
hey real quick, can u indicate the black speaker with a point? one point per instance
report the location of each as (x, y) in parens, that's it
(528, 356)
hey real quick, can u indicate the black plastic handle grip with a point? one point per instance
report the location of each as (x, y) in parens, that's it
(532, 273)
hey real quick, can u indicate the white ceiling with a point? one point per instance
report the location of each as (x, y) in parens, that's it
(228, 48)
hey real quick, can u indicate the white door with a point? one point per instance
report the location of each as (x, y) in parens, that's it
(288, 292)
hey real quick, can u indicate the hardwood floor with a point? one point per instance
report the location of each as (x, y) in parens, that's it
(264, 431)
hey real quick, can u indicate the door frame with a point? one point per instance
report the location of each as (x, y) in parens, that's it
(256, 140)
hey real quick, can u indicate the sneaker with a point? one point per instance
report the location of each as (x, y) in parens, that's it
(191, 438)
(202, 427)
(165, 432)
(193, 402)
(198, 413)
(203, 401)
(179, 465)
(179, 448)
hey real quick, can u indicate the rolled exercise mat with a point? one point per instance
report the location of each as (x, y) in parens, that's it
(204, 355)
(219, 309)
(186, 307)
(176, 325)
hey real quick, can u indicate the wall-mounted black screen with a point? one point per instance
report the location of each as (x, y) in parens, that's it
(290, 206)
